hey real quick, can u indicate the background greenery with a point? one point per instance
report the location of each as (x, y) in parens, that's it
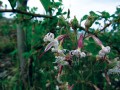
(40, 73)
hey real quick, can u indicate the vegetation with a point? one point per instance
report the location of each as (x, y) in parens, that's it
(56, 53)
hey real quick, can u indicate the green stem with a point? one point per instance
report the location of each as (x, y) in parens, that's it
(75, 34)
(83, 87)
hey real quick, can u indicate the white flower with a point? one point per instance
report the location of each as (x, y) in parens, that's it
(49, 37)
(54, 50)
(58, 79)
(56, 43)
(82, 54)
(61, 51)
(106, 49)
(77, 53)
(61, 60)
(101, 54)
(57, 88)
(113, 71)
(55, 67)
(53, 44)
(71, 53)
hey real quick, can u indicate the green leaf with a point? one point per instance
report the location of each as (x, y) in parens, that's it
(105, 14)
(13, 2)
(60, 0)
(68, 14)
(46, 4)
(84, 18)
(92, 13)
(1, 3)
(57, 4)
(59, 11)
(97, 23)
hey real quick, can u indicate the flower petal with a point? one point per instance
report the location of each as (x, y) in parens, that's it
(61, 37)
(48, 47)
(95, 87)
(80, 41)
(97, 40)
(107, 78)
(60, 69)
(59, 79)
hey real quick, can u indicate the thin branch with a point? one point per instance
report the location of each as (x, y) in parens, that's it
(28, 18)
(24, 12)
(86, 31)
(107, 25)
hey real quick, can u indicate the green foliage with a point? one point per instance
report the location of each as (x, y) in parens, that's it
(46, 4)
(84, 73)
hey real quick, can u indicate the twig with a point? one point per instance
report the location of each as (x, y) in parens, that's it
(107, 25)
(24, 12)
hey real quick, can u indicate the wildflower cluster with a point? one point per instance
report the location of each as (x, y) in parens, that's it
(64, 57)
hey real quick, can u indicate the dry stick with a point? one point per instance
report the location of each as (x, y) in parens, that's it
(25, 12)
(41, 55)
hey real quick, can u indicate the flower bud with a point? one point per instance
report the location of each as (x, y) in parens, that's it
(88, 22)
(106, 49)
(74, 23)
(62, 22)
(101, 54)
(82, 54)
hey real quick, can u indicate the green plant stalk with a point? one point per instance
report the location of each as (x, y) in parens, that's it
(75, 35)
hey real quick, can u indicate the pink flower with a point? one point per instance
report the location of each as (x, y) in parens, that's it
(54, 42)
(78, 52)
(80, 41)
(104, 50)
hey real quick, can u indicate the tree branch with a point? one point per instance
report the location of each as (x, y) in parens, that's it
(107, 25)
(24, 12)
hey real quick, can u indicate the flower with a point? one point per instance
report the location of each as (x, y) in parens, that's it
(49, 37)
(115, 69)
(60, 49)
(54, 42)
(104, 50)
(61, 60)
(78, 52)
(58, 79)
(82, 54)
